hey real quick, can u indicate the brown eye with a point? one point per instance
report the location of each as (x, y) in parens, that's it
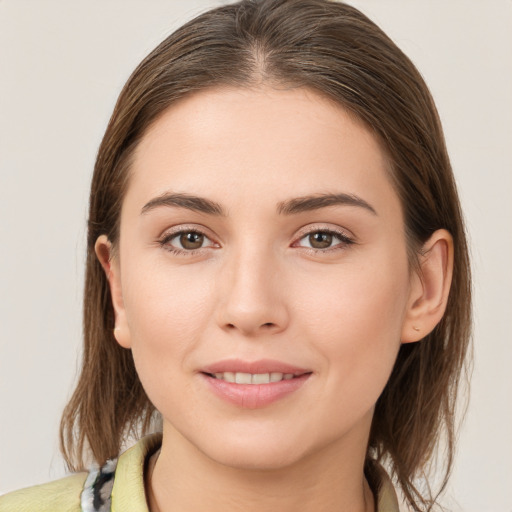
(320, 240)
(324, 240)
(191, 240)
(186, 242)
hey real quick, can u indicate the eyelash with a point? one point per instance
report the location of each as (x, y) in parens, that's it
(344, 239)
(164, 242)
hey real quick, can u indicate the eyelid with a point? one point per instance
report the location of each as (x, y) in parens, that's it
(343, 234)
(174, 231)
(327, 227)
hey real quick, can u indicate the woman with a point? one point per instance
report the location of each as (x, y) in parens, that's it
(277, 271)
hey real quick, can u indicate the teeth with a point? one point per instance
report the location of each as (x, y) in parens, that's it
(243, 378)
(253, 378)
(228, 376)
(261, 378)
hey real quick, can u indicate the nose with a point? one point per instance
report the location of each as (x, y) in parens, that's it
(252, 298)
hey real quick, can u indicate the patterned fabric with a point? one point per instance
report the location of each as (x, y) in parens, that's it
(98, 488)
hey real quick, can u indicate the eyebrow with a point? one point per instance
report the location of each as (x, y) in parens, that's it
(198, 204)
(288, 207)
(317, 201)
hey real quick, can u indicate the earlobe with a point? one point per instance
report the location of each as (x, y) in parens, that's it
(430, 287)
(104, 253)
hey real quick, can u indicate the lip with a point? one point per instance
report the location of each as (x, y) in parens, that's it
(260, 366)
(253, 396)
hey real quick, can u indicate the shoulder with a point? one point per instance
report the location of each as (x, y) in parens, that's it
(122, 479)
(59, 496)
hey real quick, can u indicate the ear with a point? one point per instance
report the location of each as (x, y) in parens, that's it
(430, 287)
(110, 264)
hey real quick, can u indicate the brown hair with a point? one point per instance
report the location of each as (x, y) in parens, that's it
(335, 50)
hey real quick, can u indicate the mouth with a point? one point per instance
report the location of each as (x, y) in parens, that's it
(254, 385)
(253, 378)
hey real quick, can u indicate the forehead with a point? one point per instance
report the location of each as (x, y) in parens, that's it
(255, 144)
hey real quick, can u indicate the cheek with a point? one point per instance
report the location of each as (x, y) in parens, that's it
(166, 317)
(159, 300)
(356, 326)
(166, 314)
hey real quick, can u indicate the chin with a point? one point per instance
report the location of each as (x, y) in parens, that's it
(263, 449)
(256, 457)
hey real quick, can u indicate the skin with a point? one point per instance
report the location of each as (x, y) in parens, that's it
(256, 289)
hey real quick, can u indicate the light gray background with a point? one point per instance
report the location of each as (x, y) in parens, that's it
(62, 64)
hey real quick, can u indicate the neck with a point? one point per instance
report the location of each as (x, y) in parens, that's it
(180, 477)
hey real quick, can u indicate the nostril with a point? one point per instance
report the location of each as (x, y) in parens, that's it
(252, 328)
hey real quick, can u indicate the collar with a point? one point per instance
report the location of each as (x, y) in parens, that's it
(128, 492)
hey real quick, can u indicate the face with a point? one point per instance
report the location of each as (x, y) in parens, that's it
(261, 241)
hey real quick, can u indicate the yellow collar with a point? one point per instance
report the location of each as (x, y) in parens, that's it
(128, 494)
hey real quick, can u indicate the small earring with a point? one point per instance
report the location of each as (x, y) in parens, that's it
(417, 329)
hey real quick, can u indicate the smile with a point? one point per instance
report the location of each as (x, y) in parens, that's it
(254, 385)
(252, 378)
